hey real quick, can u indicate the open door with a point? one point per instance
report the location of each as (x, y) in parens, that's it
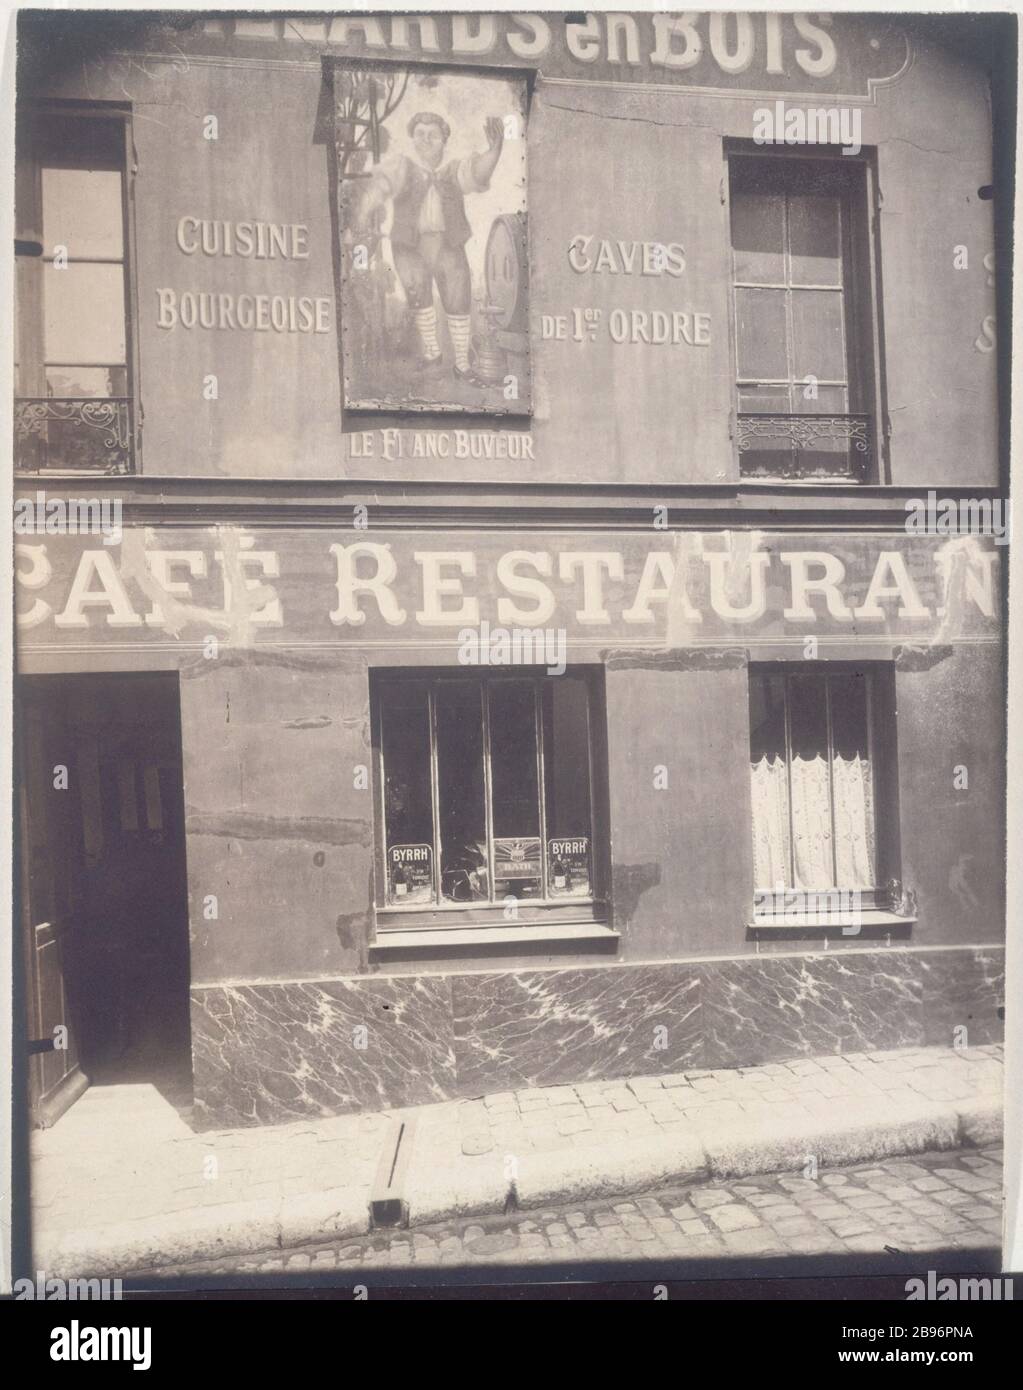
(49, 865)
(105, 899)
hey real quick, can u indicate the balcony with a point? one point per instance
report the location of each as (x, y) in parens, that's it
(86, 434)
(806, 448)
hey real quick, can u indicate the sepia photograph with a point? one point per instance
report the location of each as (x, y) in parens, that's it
(510, 652)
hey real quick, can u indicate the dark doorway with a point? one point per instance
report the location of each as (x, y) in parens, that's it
(106, 901)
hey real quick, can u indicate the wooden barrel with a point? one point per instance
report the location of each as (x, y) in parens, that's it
(507, 272)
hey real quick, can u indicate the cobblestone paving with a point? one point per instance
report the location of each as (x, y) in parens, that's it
(160, 1167)
(931, 1201)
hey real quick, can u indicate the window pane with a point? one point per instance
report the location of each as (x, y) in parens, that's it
(84, 314)
(819, 347)
(408, 807)
(463, 822)
(831, 400)
(815, 242)
(86, 381)
(761, 334)
(764, 400)
(767, 717)
(758, 221)
(82, 211)
(77, 139)
(810, 783)
(808, 717)
(567, 787)
(849, 714)
(515, 789)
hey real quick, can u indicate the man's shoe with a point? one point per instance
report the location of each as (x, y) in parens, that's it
(470, 378)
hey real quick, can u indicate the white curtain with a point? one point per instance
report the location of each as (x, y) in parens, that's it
(811, 823)
(854, 822)
(770, 824)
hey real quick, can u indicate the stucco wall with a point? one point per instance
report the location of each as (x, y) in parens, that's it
(604, 160)
(279, 833)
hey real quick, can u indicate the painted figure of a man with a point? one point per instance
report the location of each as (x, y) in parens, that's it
(429, 228)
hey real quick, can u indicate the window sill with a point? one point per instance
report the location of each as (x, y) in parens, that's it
(781, 922)
(426, 938)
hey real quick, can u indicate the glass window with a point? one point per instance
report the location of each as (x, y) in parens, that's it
(408, 796)
(803, 367)
(486, 789)
(813, 779)
(73, 408)
(461, 783)
(82, 211)
(84, 315)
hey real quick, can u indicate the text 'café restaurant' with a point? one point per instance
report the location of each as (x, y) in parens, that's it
(511, 646)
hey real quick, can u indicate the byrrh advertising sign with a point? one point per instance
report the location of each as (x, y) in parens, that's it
(355, 588)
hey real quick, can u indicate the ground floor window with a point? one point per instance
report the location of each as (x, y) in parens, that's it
(485, 788)
(816, 787)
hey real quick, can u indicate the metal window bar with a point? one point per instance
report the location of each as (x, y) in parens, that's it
(830, 736)
(869, 678)
(488, 792)
(541, 783)
(786, 706)
(104, 422)
(431, 699)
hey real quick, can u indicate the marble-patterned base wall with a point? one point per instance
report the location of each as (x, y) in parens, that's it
(268, 1053)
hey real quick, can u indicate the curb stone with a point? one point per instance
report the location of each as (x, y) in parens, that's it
(483, 1186)
(980, 1122)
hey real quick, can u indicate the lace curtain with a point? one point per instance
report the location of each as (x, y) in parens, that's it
(817, 865)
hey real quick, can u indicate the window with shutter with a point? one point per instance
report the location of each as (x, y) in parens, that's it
(801, 285)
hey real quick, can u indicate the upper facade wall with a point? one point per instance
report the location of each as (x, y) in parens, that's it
(626, 141)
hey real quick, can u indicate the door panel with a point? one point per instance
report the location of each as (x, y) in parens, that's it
(50, 866)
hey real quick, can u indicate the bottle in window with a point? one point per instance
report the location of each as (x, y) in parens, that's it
(400, 881)
(562, 877)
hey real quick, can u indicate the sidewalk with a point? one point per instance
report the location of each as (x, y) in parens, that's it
(121, 1183)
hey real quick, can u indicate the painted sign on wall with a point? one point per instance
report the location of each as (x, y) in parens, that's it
(241, 587)
(716, 53)
(431, 168)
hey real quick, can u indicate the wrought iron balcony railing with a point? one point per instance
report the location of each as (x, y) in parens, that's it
(837, 447)
(88, 434)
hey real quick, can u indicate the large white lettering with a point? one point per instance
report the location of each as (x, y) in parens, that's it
(826, 583)
(111, 594)
(350, 583)
(436, 586)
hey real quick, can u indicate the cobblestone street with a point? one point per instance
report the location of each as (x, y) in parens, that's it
(935, 1201)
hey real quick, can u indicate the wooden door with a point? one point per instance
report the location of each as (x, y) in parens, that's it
(50, 859)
